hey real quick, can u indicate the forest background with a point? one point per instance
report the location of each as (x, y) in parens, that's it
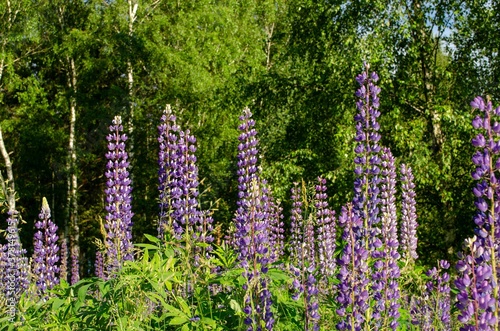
(68, 67)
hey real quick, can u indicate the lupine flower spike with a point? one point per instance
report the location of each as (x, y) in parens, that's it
(409, 223)
(303, 264)
(63, 269)
(366, 199)
(352, 292)
(46, 251)
(118, 197)
(386, 270)
(15, 279)
(478, 282)
(253, 230)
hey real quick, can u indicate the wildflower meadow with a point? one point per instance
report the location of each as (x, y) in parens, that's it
(322, 267)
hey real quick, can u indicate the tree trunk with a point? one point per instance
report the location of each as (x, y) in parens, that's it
(132, 10)
(9, 190)
(71, 228)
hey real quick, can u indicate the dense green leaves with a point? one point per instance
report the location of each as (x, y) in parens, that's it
(292, 62)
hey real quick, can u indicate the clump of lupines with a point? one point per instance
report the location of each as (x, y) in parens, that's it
(118, 198)
(252, 229)
(409, 223)
(15, 278)
(46, 251)
(303, 261)
(478, 299)
(178, 186)
(386, 267)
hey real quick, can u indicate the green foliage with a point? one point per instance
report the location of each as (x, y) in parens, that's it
(292, 62)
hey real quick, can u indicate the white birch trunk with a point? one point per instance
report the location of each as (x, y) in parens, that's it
(9, 188)
(71, 228)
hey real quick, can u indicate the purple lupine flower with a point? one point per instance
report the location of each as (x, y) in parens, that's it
(366, 199)
(45, 255)
(440, 286)
(99, 265)
(118, 198)
(296, 227)
(15, 280)
(276, 230)
(431, 310)
(252, 229)
(303, 264)
(168, 135)
(325, 219)
(75, 265)
(352, 290)
(63, 269)
(180, 210)
(478, 299)
(184, 189)
(386, 269)
(408, 236)
(367, 158)
(475, 299)
(3, 266)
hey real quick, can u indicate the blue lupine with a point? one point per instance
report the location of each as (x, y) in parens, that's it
(15, 277)
(478, 298)
(118, 198)
(178, 185)
(366, 199)
(325, 219)
(63, 267)
(303, 262)
(99, 265)
(352, 290)
(46, 251)
(386, 268)
(253, 229)
(75, 265)
(408, 236)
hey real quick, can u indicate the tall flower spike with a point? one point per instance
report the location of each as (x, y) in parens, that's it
(296, 227)
(75, 265)
(475, 286)
(99, 265)
(325, 219)
(46, 251)
(15, 279)
(386, 270)
(366, 199)
(252, 229)
(367, 158)
(479, 290)
(63, 269)
(409, 223)
(180, 211)
(168, 135)
(352, 290)
(118, 197)
(276, 230)
(303, 264)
